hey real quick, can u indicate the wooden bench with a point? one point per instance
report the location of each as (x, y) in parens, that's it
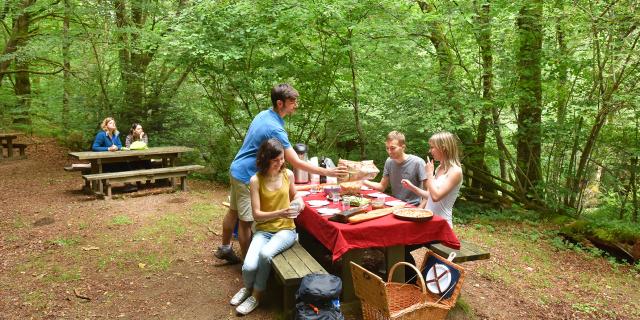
(84, 168)
(20, 146)
(290, 267)
(143, 175)
(468, 252)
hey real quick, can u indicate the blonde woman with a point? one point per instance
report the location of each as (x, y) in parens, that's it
(443, 185)
(109, 138)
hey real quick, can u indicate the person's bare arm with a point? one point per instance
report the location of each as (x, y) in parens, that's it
(379, 186)
(454, 176)
(292, 157)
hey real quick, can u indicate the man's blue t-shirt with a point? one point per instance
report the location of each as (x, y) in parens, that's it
(266, 125)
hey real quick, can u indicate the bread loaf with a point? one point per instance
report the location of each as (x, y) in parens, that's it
(373, 214)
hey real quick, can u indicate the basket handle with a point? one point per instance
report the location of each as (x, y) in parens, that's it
(418, 273)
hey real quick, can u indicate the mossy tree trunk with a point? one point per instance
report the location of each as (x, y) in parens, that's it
(529, 86)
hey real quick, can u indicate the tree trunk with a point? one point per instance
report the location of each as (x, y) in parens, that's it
(66, 75)
(634, 188)
(356, 101)
(22, 87)
(486, 52)
(529, 135)
(558, 148)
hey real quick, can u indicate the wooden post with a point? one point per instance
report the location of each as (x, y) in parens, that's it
(9, 147)
(108, 189)
(183, 183)
(392, 256)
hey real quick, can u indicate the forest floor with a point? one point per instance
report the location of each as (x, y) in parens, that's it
(149, 255)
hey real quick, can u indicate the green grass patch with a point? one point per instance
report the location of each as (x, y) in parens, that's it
(164, 230)
(141, 259)
(60, 274)
(203, 213)
(584, 307)
(121, 220)
(82, 225)
(18, 223)
(66, 242)
(37, 299)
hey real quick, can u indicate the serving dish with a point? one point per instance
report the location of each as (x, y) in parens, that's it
(413, 214)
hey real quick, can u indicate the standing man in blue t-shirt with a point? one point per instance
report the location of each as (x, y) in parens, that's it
(267, 124)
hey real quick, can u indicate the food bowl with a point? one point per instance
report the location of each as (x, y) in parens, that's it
(352, 187)
(328, 189)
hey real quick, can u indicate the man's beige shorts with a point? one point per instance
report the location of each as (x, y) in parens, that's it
(240, 199)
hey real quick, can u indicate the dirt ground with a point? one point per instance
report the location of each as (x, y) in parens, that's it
(148, 254)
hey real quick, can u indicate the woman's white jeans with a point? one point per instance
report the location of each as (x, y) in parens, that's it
(264, 246)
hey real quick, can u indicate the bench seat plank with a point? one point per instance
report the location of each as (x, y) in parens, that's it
(141, 173)
(468, 252)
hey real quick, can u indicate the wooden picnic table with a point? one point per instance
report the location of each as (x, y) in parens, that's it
(99, 158)
(6, 142)
(346, 242)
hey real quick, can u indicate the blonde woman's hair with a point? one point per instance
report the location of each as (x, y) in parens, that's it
(396, 135)
(103, 125)
(447, 143)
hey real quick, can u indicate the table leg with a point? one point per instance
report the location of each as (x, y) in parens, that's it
(392, 256)
(355, 255)
(9, 148)
(102, 182)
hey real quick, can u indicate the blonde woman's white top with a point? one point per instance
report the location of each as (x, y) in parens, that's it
(444, 207)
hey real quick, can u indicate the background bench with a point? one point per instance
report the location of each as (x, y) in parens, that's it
(20, 146)
(468, 252)
(143, 175)
(290, 267)
(84, 168)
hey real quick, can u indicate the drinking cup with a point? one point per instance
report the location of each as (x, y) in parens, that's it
(345, 204)
(335, 196)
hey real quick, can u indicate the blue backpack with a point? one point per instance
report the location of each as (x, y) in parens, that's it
(318, 298)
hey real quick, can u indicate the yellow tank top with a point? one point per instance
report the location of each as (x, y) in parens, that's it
(272, 201)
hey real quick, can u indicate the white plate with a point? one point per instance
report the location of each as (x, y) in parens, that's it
(303, 193)
(395, 203)
(377, 195)
(442, 275)
(328, 211)
(317, 203)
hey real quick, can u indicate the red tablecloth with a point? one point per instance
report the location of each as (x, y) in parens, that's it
(382, 232)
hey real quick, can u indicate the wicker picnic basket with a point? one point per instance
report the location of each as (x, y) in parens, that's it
(392, 300)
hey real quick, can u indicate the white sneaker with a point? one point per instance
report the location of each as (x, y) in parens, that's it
(242, 295)
(247, 306)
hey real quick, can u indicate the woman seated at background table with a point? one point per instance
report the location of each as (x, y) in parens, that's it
(274, 203)
(109, 138)
(136, 134)
(443, 185)
(137, 140)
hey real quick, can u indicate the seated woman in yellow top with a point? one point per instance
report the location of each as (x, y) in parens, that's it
(274, 203)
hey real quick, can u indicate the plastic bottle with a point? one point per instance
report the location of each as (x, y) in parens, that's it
(329, 165)
(315, 178)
